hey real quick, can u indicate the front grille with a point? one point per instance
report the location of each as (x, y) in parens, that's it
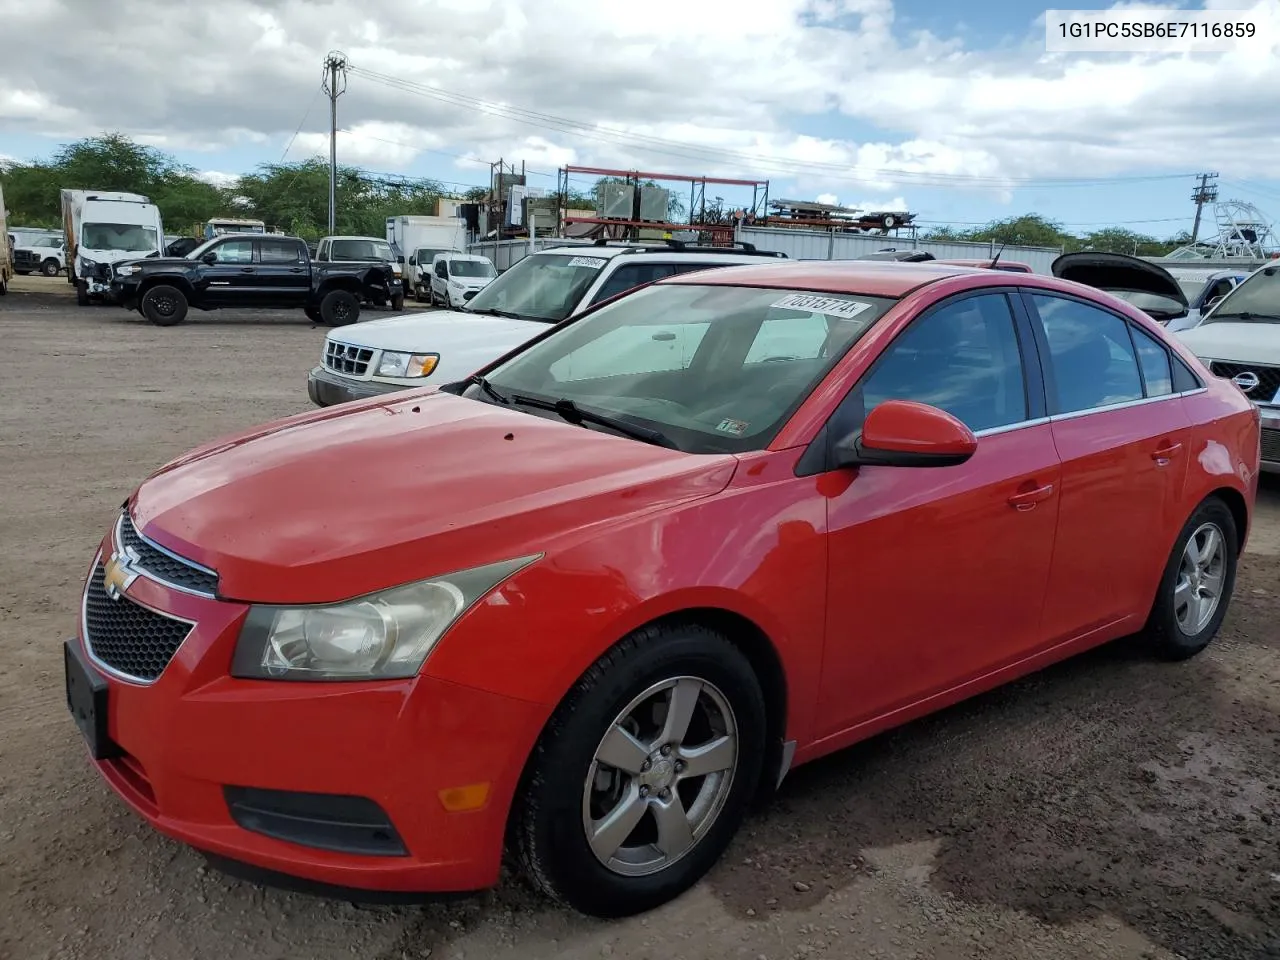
(129, 638)
(164, 566)
(25, 259)
(348, 359)
(469, 294)
(1271, 445)
(1268, 378)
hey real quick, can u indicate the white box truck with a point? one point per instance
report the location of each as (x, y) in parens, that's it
(105, 228)
(415, 241)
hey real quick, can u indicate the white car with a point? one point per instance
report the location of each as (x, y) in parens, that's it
(45, 255)
(1240, 340)
(457, 277)
(1216, 286)
(379, 356)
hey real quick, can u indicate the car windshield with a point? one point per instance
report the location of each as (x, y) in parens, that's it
(47, 242)
(712, 369)
(129, 237)
(1258, 298)
(542, 286)
(360, 250)
(425, 255)
(471, 268)
(1151, 303)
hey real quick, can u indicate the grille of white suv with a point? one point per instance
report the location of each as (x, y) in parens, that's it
(346, 358)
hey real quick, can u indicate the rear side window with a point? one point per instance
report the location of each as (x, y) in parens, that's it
(1153, 358)
(1093, 358)
(279, 251)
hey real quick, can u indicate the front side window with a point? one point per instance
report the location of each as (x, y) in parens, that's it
(1093, 359)
(234, 251)
(631, 275)
(542, 286)
(963, 358)
(715, 369)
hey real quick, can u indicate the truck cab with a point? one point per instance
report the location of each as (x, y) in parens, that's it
(103, 229)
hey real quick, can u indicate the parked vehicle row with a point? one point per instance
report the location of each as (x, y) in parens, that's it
(590, 598)
(539, 291)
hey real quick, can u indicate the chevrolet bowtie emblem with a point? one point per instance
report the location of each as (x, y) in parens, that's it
(119, 572)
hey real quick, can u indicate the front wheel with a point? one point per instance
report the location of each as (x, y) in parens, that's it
(1198, 580)
(82, 293)
(163, 305)
(339, 307)
(644, 773)
(397, 302)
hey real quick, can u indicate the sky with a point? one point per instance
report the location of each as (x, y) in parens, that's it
(954, 111)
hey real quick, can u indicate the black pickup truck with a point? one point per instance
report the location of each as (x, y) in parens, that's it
(251, 270)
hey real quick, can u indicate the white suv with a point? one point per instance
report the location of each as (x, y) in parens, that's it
(1240, 341)
(544, 288)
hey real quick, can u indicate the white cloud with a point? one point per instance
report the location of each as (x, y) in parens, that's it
(706, 88)
(217, 178)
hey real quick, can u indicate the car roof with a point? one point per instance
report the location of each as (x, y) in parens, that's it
(674, 253)
(336, 237)
(456, 255)
(874, 278)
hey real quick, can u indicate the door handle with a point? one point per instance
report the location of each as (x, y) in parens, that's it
(246, 269)
(295, 270)
(1163, 454)
(1027, 499)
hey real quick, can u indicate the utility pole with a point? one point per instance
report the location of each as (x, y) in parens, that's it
(1204, 193)
(335, 85)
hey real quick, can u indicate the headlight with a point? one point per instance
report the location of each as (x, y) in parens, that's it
(125, 271)
(382, 636)
(407, 364)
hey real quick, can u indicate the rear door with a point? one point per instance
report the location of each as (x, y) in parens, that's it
(283, 276)
(232, 279)
(1123, 437)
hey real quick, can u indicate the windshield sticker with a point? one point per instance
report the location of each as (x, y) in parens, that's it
(735, 427)
(830, 306)
(594, 262)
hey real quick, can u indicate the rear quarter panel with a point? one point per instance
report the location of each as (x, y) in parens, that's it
(1225, 445)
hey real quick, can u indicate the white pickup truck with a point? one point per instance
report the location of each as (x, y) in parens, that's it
(418, 349)
(1240, 340)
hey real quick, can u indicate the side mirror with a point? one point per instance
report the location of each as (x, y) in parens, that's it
(209, 257)
(903, 433)
(413, 261)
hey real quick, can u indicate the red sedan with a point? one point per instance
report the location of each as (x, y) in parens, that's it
(590, 601)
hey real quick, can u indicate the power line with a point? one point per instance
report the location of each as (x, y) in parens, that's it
(704, 154)
(289, 145)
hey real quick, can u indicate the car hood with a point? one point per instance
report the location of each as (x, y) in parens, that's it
(1118, 273)
(1253, 341)
(441, 331)
(338, 503)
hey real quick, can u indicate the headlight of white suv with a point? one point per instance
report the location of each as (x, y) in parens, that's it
(382, 636)
(407, 364)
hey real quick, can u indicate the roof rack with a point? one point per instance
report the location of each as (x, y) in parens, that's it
(681, 246)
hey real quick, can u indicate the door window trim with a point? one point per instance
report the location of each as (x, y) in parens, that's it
(1051, 385)
(816, 457)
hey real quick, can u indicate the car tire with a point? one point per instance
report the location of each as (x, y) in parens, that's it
(397, 302)
(567, 782)
(4, 286)
(50, 268)
(82, 293)
(313, 314)
(1202, 565)
(163, 305)
(417, 294)
(339, 308)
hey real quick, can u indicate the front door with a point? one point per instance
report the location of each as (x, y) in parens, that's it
(283, 275)
(1124, 439)
(937, 575)
(232, 279)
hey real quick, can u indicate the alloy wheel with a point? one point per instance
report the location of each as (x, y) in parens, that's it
(660, 776)
(1201, 578)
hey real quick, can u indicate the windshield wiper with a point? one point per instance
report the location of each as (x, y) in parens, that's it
(487, 387)
(570, 411)
(494, 312)
(1244, 315)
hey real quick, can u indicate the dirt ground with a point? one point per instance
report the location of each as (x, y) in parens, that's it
(1109, 807)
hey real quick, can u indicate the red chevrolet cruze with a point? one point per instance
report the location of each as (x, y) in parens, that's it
(588, 602)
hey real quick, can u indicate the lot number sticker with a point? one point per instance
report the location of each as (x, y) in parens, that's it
(830, 306)
(593, 262)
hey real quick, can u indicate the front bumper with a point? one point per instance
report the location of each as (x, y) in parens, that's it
(1270, 439)
(326, 388)
(125, 292)
(189, 747)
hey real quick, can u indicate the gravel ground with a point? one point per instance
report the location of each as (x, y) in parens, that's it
(1108, 807)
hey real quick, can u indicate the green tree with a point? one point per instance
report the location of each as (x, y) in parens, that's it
(109, 162)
